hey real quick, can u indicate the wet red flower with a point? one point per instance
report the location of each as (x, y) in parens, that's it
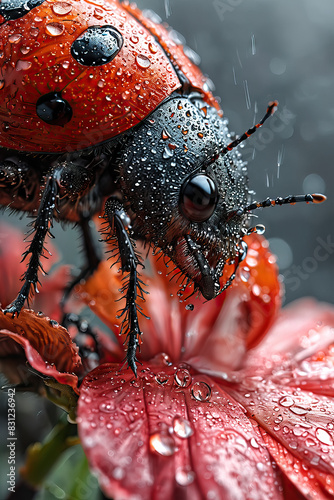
(219, 410)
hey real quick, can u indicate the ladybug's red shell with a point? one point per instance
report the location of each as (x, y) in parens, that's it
(103, 100)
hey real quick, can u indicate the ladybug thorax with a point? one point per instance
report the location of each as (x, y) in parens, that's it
(176, 189)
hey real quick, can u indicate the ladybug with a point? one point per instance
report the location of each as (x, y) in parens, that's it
(103, 110)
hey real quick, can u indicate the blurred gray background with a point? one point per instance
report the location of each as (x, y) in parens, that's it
(256, 51)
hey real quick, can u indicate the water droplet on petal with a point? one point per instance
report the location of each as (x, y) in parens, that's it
(143, 61)
(182, 427)
(254, 443)
(244, 274)
(201, 391)
(286, 401)
(162, 378)
(324, 436)
(299, 410)
(55, 29)
(190, 307)
(153, 47)
(98, 13)
(25, 50)
(22, 65)
(134, 39)
(2, 84)
(107, 407)
(183, 377)
(15, 38)
(61, 8)
(163, 444)
(184, 477)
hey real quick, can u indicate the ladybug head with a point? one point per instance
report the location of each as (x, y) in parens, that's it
(181, 191)
(187, 191)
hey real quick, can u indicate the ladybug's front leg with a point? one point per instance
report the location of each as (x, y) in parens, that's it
(118, 233)
(66, 181)
(41, 227)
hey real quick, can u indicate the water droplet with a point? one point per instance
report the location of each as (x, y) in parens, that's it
(143, 61)
(182, 427)
(134, 39)
(324, 436)
(184, 477)
(118, 473)
(299, 410)
(25, 50)
(153, 47)
(107, 407)
(15, 38)
(190, 307)
(182, 377)
(244, 274)
(163, 444)
(2, 84)
(313, 183)
(162, 378)
(22, 65)
(61, 8)
(254, 443)
(98, 13)
(277, 66)
(168, 153)
(286, 401)
(201, 391)
(55, 29)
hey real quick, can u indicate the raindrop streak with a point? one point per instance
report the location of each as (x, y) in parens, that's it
(163, 444)
(280, 158)
(248, 101)
(253, 45)
(234, 77)
(239, 60)
(168, 8)
(201, 391)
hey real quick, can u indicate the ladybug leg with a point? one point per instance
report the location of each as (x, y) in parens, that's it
(117, 232)
(41, 227)
(66, 181)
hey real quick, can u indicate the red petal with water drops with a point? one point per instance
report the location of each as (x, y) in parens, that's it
(48, 346)
(312, 483)
(170, 434)
(302, 422)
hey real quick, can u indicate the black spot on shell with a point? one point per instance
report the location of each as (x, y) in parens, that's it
(14, 9)
(97, 45)
(53, 109)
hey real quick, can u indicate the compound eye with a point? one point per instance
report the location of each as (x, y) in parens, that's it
(198, 198)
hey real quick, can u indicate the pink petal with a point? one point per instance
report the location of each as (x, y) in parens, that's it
(298, 349)
(303, 423)
(171, 435)
(313, 484)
